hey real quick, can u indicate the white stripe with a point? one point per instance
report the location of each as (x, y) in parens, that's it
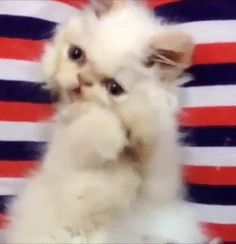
(208, 96)
(20, 70)
(24, 131)
(215, 213)
(11, 186)
(209, 156)
(202, 31)
(48, 10)
(211, 31)
(2, 236)
(205, 213)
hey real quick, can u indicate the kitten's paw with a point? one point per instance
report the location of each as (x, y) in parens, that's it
(112, 142)
(107, 134)
(73, 111)
(79, 239)
(96, 137)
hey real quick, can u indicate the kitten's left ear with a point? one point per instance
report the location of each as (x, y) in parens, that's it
(102, 7)
(171, 52)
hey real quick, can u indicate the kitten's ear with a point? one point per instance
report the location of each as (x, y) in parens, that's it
(101, 7)
(171, 52)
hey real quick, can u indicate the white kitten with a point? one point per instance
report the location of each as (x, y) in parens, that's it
(115, 69)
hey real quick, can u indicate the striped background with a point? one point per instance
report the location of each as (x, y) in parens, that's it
(209, 101)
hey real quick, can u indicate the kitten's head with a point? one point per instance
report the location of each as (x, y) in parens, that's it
(115, 53)
(106, 36)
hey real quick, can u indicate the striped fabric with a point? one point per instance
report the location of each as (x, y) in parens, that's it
(209, 100)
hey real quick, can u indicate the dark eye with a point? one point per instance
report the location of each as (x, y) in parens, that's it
(113, 87)
(76, 54)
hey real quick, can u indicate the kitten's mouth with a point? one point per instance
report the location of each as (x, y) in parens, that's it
(77, 90)
(76, 93)
(82, 82)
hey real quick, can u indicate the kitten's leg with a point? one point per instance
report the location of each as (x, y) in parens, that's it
(89, 199)
(33, 218)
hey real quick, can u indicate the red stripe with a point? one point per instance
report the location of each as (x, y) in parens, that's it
(209, 175)
(74, 3)
(12, 111)
(227, 232)
(157, 3)
(204, 116)
(32, 51)
(20, 49)
(208, 116)
(81, 3)
(16, 168)
(3, 221)
(215, 53)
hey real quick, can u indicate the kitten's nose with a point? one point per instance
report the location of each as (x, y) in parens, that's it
(83, 81)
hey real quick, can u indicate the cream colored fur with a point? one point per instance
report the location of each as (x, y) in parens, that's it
(112, 171)
(81, 185)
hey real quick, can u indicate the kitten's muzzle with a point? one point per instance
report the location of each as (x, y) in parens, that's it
(82, 82)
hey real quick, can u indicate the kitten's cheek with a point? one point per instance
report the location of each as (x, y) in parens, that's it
(85, 93)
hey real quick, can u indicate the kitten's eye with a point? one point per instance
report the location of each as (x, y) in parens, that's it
(76, 54)
(113, 87)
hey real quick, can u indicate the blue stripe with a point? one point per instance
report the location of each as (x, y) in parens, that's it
(23, 91)
(4, 203)
(197, 10)
(18, 150)
(25, 27)
(212, 74)
(209, 136)
(219, 195)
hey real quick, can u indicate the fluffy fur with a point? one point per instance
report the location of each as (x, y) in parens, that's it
(112, 172)
(80, 185)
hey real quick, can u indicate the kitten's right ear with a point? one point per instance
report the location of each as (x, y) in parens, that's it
(170, 51)
(102, 7)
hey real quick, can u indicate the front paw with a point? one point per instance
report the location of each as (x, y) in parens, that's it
(112, 141)
(106, 135)
(73, 111)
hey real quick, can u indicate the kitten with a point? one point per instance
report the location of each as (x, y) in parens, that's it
(114, 152)
(125, 43)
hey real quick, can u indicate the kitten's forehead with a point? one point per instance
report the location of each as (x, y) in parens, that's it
(128, 75)
(120, 34)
